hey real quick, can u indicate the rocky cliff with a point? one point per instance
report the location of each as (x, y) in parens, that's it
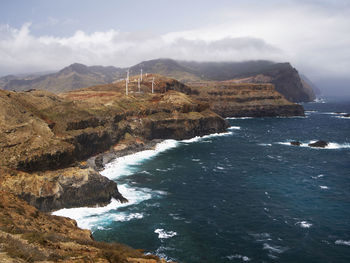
(44, 142)
(46, 137)
(231, 99)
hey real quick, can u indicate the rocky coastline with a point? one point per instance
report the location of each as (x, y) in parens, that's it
(53, 147)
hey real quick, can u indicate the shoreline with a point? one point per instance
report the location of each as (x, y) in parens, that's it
(130, 151)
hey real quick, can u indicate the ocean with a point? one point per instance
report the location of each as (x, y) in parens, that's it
(246, 195)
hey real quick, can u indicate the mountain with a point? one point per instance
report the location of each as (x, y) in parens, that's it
(69, 78)
(285, 78)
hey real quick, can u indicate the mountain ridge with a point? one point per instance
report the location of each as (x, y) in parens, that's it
(284, 76)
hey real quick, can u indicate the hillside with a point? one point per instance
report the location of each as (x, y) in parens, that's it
(73, 77)
(286, 79)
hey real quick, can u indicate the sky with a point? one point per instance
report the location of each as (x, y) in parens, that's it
(47, 35)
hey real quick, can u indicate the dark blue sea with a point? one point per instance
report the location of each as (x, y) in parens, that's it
(242, 196)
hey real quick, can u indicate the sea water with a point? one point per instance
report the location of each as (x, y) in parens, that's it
(245, 195)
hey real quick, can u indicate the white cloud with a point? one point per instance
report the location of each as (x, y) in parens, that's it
(314, 38)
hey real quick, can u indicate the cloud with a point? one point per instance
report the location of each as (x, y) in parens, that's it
(312, 35)
(22, 52)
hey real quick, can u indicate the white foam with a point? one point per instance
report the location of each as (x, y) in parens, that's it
(220, 168)
(319, 100)
(162, 234)
(122, 217)
(330, 146)
(237, 256)
(122, 166)
(342, 242)
(342, 117)
(265, 144)
(199, 138)
(89, 217)
(324, 187)
(234, 128)
(304, 224)
(238, 118)
(275, 249)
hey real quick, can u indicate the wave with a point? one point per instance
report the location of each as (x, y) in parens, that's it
(304, 224)
(200, 138)
(234, 128)
(330, 146)
(239, 118)
(123, 166)
(94, 217)
(342, 117)
(342, 242)
(274, 249)
(265, 144)
(318, 100)
(237, 256)
(162, 234)
(324, 187)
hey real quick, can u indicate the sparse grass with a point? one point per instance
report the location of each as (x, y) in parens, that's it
(17, 249)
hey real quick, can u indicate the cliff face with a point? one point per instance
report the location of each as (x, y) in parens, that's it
(44, 142)
(46, 137)
(230, 99)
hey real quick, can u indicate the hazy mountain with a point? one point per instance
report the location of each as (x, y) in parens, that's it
(72, 77)
(285, 78)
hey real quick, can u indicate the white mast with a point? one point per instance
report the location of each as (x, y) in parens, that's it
(141, 75)
(152, 85)
(138, 84)
(126, 87)
(127, 76)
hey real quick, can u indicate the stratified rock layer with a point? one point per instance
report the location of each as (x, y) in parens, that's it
(230, 99)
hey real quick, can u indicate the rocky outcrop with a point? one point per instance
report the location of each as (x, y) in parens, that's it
(64, 188)
(28, 235)
(318, 144)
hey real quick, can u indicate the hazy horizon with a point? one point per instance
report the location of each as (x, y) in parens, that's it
(312, 35)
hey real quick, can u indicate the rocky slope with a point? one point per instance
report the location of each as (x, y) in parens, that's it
(286, 79)
(28, 235)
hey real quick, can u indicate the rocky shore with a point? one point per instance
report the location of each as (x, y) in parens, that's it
(53, 147)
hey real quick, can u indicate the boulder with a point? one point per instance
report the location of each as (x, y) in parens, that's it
(295, 143)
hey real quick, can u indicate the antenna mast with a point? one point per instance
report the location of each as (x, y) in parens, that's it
(141, 75)
(126, 87)
(127, 76)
